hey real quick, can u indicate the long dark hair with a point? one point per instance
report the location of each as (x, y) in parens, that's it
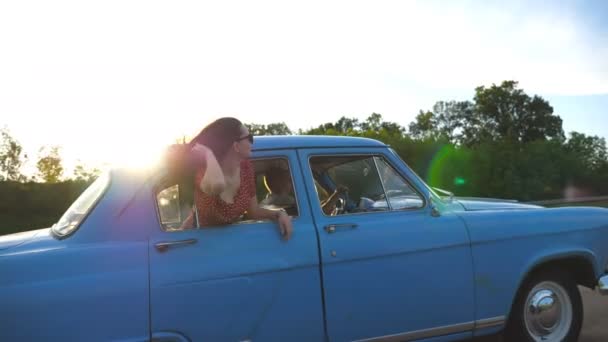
(219, 136)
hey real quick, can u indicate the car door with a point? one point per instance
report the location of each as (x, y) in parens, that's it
(389, 267)
(237, 282)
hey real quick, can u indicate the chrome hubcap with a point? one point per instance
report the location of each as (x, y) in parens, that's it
(548, 312)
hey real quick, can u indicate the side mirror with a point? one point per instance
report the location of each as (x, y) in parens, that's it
(434, 211)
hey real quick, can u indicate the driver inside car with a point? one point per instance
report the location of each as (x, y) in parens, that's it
(280, 191)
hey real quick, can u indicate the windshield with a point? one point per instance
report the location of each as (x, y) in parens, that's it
(71, 219)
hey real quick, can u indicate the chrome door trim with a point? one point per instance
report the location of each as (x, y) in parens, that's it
(439, 331)
(489, 322)
(426, 333)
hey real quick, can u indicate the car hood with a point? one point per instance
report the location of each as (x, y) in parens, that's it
(476, 204)
(14, 240)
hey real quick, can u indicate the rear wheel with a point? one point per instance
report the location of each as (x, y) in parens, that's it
(548, 308)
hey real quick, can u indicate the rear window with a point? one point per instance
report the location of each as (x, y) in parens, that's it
(73, 217)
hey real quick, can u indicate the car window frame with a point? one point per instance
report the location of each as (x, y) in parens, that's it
(369, 155)
(102, 194)
(157, 192)
(408, 183)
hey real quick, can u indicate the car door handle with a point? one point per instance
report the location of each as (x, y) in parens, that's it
(331, 228)
(163, 246)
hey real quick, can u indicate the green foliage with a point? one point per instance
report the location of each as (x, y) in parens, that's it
(278, 128)
(12, 158)
(503, 144)
(425, 126)
(25, 206)
(49, 165)
(84, 174)
(507, 113)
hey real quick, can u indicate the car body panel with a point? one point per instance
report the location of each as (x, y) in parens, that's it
(514, 242)
(71, 289)
(388, 261)
(239, 282)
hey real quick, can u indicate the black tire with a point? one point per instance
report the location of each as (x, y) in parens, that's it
(518, 331)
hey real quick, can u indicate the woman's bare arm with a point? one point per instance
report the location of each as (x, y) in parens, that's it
(213, 182)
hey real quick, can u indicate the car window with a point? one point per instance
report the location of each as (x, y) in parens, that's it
(400, 194)
(358, 184)
(274, 191)
(274, 185)
(170, 207)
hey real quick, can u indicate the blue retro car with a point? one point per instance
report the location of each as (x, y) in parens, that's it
(392, 260)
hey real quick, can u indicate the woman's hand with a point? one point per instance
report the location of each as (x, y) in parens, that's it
(283, 220)
(285, 226)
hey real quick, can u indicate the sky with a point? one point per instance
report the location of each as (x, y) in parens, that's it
(115, 81)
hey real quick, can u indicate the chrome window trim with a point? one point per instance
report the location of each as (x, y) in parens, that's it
(388, 200)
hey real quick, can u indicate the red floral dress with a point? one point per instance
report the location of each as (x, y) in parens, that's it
(212, 210)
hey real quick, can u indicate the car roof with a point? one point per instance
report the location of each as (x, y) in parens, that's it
(273, 142)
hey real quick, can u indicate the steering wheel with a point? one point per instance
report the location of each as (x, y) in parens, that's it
(340, 207)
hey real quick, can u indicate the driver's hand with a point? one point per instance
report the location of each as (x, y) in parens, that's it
(341, 189)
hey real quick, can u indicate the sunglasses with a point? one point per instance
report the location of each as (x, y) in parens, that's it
(250, 137)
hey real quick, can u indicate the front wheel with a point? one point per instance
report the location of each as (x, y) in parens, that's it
(548, 308)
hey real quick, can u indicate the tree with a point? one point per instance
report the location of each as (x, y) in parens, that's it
(453, 117)
(49, 165)
(277, 128)
(324, 129)
(347, 125)
(375, 124)
(507, 113)
(589, 150)
(425, 126)
(447, 122)
(373, 127)
(12, 158)
(344, 126)
(84, 174)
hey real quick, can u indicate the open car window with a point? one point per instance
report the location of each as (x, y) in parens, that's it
(175, 197)
(275, 188)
